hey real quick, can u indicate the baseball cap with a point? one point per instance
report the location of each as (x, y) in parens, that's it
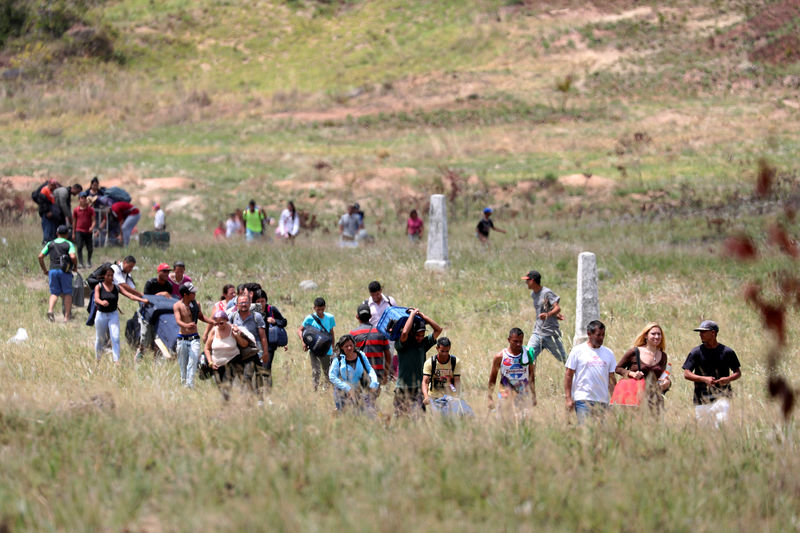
(220, 314)
(187, 288)
(62, 229)
(487, 210)
(177, 264)
(364, 311)
(163, 266)
(419, 326)
(707, 325)
(156, 206)
(534, 275)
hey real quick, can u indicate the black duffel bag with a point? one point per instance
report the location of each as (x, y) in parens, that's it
(318, 340)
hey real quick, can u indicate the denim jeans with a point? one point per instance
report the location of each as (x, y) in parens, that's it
(106, 324)
(585, 409)
(48, 229)
(188, 355)
(552, 343)
(127, 227)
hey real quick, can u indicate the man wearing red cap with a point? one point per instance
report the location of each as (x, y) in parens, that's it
(159, 286)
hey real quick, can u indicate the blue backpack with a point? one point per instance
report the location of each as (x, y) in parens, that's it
(393, 320)
(118, 194)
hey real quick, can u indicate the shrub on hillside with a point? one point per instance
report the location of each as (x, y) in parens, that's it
(13, 19)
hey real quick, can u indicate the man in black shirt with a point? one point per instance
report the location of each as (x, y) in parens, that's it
(161, 286)
(485, 225)
(711, 366)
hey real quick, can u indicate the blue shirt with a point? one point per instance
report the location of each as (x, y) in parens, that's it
(328, 323)
(345, 377)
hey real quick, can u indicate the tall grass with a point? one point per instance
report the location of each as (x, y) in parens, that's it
(88, 446)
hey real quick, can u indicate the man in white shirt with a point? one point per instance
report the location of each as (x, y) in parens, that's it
(378, 303)
(122, 275)
(589, 379)
(159, 219)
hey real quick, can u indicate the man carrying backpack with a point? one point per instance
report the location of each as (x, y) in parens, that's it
(62, 263)
(411, 349)
(48, 210)
(440, 377)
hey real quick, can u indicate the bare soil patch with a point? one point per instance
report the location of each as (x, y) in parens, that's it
(770, 34)
(591, 183)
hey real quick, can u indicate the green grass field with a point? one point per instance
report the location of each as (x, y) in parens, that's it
(386, 103)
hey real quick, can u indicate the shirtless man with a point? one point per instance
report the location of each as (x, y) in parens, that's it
(516, 381)
(187, 313)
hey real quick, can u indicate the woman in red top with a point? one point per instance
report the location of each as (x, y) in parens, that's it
(84, 219)
(414, 226)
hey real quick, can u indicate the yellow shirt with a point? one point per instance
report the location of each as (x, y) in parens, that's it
(440, 383)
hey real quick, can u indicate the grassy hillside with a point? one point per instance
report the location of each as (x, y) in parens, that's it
(209, 91)
(631, 129)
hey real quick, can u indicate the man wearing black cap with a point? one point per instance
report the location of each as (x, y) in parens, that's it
(372, 342)
(411, 349)
(62, 262)
(709, 366)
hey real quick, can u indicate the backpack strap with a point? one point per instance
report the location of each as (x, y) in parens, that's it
(362, 358)
(452, 362)
(366, 338)
(314, 315)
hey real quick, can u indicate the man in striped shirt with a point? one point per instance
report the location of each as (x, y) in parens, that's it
(372, 342)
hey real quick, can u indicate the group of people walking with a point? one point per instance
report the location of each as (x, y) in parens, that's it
(245, 331)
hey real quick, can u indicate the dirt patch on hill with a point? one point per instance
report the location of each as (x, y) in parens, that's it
(392, 182)
(770, 35)
(590, 183)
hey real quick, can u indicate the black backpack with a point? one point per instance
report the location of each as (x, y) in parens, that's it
(94, 278)
(40, 199)
(60, 258)
(453, 361)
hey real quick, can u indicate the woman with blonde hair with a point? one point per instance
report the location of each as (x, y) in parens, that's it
(647, 360)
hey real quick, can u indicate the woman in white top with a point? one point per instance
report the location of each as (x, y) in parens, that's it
(222, 346)
(289, 222)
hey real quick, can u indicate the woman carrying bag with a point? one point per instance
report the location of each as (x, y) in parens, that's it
(231, 352)
(642, 366)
